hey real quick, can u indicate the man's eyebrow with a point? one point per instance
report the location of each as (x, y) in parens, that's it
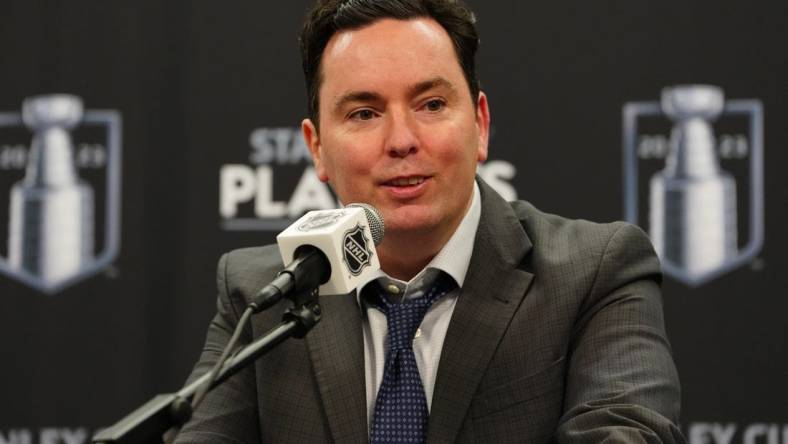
(356, 96)
(434, 82)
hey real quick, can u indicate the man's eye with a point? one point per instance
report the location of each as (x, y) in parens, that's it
(362, 114)
(434, 105)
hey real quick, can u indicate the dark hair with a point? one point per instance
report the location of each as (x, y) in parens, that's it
(328, 17)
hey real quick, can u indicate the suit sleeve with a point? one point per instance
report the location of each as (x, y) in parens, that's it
(228, 414)
(621, 384)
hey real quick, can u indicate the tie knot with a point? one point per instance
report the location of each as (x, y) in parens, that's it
(405, 316)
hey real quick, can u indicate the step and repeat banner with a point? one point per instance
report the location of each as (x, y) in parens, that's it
(140, 140)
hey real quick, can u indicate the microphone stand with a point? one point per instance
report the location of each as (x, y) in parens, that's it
(167, 412)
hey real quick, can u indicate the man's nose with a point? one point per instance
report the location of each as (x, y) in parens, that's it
(401, 140)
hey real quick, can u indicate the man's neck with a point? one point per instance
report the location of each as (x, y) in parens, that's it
(401, 260)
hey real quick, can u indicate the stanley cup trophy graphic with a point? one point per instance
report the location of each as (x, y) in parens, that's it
(51, 209)
(693, 201)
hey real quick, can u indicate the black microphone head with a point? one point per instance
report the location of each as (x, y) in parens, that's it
(374, 219)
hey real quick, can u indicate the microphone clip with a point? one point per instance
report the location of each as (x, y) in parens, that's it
(306, 312)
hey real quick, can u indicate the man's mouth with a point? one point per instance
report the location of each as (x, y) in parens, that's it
(405, 181)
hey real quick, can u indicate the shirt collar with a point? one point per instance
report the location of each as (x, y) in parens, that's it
(455, 256)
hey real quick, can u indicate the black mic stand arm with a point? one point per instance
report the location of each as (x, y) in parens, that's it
(164, 412)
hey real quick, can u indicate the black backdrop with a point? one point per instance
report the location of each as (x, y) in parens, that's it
(206, 90)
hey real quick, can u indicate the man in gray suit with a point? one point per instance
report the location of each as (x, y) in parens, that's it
(544, 330)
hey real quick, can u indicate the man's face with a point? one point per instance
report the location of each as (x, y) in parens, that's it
(398, 127)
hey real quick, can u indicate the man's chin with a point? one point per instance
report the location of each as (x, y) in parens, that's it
(416, 224)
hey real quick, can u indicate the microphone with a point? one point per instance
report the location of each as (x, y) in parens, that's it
(332, 249)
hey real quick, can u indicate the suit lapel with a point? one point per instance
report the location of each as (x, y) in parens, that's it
(336, 348)
(493, 290)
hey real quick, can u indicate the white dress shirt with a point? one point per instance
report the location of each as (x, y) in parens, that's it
(452, 259)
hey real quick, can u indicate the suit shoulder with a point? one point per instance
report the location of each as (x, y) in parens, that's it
(558, 239)
(580, 231)
(247, 269)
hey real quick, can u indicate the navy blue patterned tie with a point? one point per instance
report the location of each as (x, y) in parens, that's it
(401, 414)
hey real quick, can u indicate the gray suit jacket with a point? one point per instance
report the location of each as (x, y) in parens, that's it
(557, 336)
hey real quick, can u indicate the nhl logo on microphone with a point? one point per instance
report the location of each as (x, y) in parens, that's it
(344, 237)
(357, 254)
(321, 219)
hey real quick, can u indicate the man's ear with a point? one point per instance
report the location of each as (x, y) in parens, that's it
(312, 139)
(483, 126)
